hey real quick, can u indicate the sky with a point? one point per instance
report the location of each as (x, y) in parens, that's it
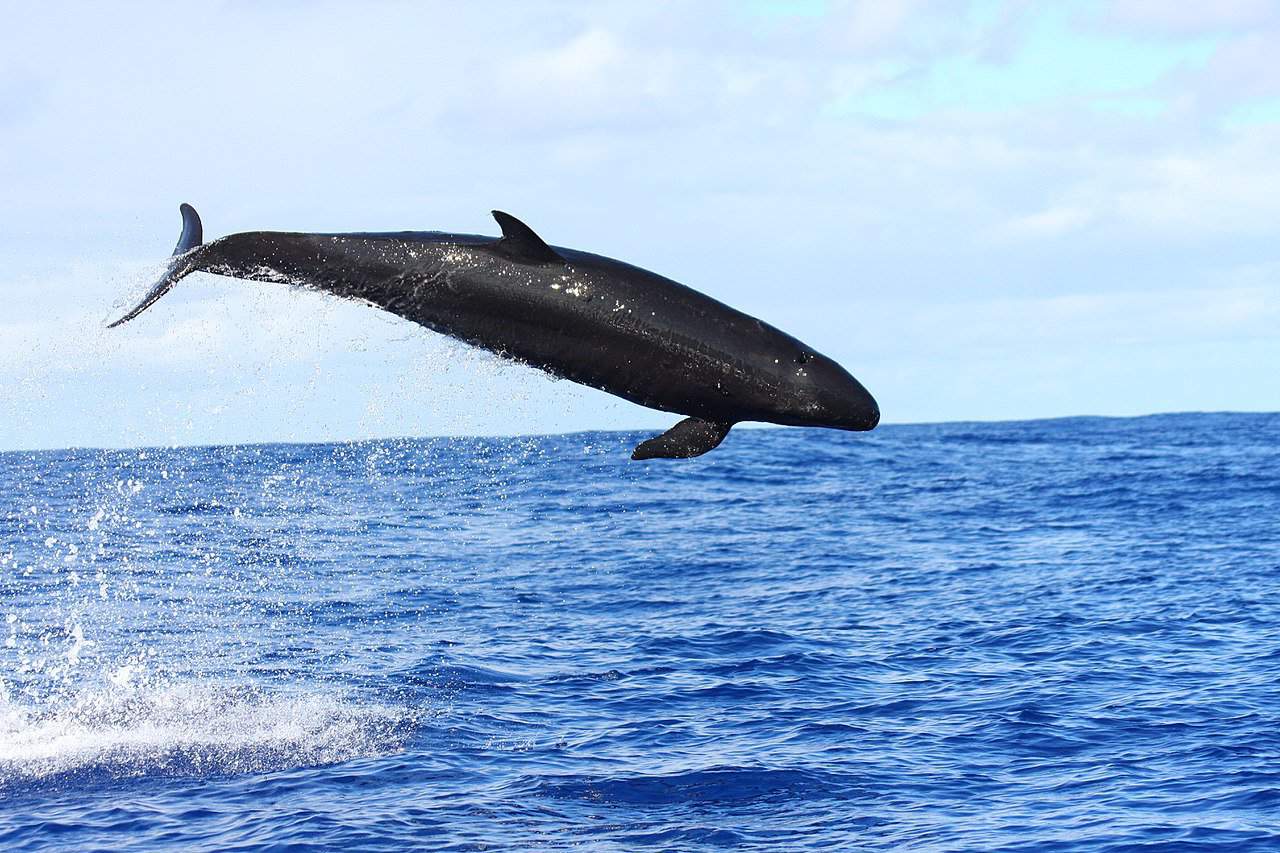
(984, 210)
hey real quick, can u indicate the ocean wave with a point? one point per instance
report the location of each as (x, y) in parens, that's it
(195, 729)
(725, 784)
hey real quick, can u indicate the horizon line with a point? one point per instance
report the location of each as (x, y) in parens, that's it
(751, 425)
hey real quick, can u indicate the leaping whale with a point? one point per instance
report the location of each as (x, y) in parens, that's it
(578, 316)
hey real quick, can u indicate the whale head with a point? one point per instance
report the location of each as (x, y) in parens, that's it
(824, 394)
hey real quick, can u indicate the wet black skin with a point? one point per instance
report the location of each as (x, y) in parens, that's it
(576, 315)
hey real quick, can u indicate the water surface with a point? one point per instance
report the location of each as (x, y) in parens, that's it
(1053, 635)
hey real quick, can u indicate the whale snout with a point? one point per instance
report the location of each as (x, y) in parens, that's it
(839, 401)
(854, 410)
(867, 416)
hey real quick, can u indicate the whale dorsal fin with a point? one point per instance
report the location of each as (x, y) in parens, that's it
(691, 437)
(520, 243)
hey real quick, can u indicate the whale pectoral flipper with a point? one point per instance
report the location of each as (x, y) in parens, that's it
(691, 437)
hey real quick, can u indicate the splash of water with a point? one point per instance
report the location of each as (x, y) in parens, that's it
(122, 730)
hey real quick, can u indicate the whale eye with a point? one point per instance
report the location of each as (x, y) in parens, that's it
(803, 358)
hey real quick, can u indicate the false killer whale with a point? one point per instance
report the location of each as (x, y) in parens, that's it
(579, 316)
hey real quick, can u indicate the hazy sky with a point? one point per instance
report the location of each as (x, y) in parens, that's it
(984, 210)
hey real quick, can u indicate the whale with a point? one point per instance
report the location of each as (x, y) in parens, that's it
(573, 314)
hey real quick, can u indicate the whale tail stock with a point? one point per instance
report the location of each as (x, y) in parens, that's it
(182, 263)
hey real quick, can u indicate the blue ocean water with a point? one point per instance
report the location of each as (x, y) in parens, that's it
(1053, 635)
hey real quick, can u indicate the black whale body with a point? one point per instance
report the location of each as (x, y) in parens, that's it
(576, 315)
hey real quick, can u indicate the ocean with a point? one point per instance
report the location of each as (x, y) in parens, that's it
(1049, 635)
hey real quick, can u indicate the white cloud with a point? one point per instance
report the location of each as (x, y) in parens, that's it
(579, 64)
(1232, 189)
(870, 24)
(1034, 327)
(1191, 18)
(1051, 222)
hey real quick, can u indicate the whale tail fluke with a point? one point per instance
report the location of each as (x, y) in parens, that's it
(182, 263)
(192, 230)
